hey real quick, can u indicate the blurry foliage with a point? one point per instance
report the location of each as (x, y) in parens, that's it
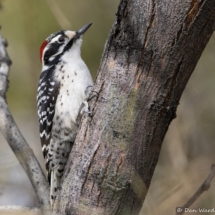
(188, 149)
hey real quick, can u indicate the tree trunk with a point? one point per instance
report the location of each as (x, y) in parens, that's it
(151, 52)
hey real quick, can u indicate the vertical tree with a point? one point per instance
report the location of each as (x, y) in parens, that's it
(151, 52)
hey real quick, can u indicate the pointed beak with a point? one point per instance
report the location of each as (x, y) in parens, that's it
(82, 30)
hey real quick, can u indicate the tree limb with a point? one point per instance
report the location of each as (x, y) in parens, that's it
(14, 137)
(151, 52)
(204, 187)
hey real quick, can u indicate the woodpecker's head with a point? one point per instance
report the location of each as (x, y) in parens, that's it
(60, 42)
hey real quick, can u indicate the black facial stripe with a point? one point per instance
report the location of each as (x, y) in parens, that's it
(52, 50)
(54, 47)
(71, 42)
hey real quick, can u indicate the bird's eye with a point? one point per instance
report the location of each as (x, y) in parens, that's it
(61, 39)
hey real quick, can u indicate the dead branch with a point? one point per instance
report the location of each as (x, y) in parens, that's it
(18, 144)
(204, 187)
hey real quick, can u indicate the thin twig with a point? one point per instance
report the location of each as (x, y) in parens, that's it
(14, 137)
(204, 187)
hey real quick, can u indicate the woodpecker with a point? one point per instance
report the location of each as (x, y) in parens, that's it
(63, 88)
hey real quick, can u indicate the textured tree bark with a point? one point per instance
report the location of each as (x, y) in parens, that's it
(149, 56)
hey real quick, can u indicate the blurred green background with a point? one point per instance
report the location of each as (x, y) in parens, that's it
(188, 149)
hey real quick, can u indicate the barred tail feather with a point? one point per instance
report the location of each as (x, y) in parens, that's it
(55, 184)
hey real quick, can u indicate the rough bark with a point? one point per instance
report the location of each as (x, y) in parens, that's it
(151, 52)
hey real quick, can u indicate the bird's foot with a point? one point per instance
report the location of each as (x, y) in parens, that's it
(88, 93)
(85, 108)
